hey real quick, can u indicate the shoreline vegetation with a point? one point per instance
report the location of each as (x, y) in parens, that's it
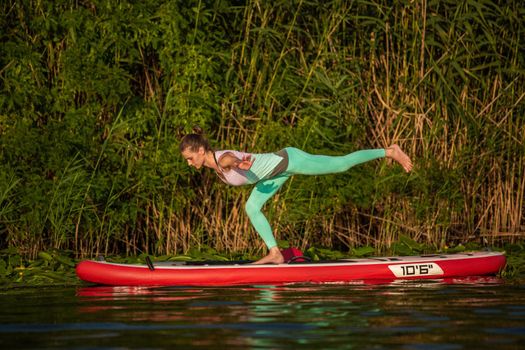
(94, 95)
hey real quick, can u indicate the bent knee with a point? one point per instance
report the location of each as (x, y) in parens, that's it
(252, 208)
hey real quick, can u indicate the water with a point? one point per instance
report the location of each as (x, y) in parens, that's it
(468, 314)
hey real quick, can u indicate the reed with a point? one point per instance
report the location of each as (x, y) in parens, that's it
(94, 95)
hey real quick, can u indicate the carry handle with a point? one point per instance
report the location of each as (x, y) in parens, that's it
(149, 263)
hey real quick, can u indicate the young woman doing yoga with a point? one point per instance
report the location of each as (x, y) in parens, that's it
(269, 171)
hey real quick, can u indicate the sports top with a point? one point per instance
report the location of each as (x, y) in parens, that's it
(265, 166)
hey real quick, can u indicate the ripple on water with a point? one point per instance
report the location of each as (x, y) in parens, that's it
(406, 315)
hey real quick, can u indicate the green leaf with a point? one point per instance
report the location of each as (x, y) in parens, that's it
(64, 260)
(363, 251)
(46, 256)
(399, 248)
(410, 243)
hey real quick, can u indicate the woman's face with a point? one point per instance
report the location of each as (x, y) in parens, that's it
(194, 159)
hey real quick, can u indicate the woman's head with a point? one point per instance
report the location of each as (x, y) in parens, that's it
(194, 147)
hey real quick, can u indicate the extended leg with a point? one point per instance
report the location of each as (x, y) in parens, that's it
(304, 163)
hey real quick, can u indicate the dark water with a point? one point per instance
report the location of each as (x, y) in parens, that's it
(471, 314)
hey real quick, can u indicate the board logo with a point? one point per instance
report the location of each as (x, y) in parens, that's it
(414, 270)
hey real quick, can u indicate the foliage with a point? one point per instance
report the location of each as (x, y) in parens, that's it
(50, 268)
(93, 95)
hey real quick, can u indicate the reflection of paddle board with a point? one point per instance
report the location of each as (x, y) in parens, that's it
(220, 274)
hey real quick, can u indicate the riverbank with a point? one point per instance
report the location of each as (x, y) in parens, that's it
(57, 268)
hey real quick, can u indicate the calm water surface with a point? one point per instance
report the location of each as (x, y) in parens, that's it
(479, 314)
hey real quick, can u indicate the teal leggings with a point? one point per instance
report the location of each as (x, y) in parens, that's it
(299, 163)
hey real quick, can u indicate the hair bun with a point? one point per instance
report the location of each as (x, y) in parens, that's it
(194, 141)
(197, 130)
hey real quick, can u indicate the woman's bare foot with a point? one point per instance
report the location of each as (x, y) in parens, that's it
(394, 152)
(273, 257)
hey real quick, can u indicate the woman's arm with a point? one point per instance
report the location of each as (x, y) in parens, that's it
(228, 161)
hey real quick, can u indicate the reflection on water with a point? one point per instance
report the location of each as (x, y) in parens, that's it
(452, 314)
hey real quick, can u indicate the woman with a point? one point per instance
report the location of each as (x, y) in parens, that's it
(269, 171)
